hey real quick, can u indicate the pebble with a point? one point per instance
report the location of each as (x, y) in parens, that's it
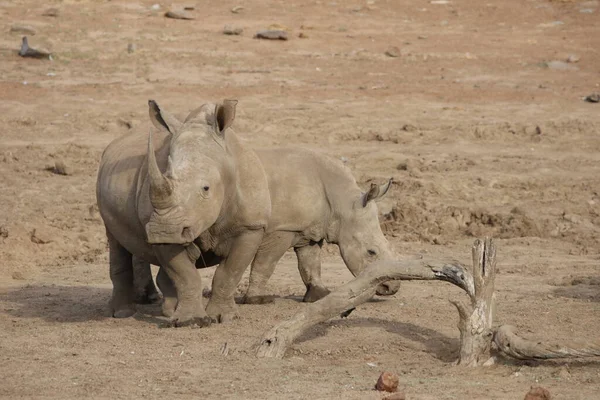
(573, 58)
(131, 47)
(560, 66)
(180, 14)
(388, 382)
(396, 396)
(237, 9)
(230, 30)
(51, 12)
(538, 393)
(593, 98)
(59, 168)
(272, 35)
(393, 51)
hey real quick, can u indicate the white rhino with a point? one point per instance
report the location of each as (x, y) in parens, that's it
(314, 198)
(201, 198)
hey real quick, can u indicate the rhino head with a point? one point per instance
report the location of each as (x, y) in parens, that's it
(361, 240)
(188, 197)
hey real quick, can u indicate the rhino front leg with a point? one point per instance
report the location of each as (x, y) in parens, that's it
(181, 270)
(309, 265)
(165, 284)
(272, 248)
(145, 291)
(121, 274)
(221, 306)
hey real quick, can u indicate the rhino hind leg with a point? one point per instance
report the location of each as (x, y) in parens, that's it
(121, 274)
(270, 251)
(145, 290)
(309, 265)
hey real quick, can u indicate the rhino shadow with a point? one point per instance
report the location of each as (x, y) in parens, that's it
(585, 288)
(442, 347)
(56, 303)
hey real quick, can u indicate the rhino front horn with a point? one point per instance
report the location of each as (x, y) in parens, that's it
(161, 187)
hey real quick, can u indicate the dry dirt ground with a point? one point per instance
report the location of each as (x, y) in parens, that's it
(479, 120)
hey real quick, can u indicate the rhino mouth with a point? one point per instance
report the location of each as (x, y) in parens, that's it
(169, 234)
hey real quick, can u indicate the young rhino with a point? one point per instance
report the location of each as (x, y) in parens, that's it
(201, 196)
(315, 198)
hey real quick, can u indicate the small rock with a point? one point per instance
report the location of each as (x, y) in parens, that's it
(38, 239)
(560, 66)
(538, 393)
(573, 58)
(586, 10)
(189, 8)
(237, 9)
(131, 47)
(125, 123)
(179, 14)
(303, 35)
(396, 396)
(3, 232)
(155, 7)
(30, 52)
(403, 166)
(271, 35)
(18, 276)
(593, 98)
(393, 51)
(229, 30)
(388, 382)
(51, 12)
(59, 168)
(23, 30)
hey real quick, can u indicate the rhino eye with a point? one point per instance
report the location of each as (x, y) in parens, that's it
(206, 188)
(372, 252)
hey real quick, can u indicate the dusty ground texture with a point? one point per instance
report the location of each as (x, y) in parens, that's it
(479, 119)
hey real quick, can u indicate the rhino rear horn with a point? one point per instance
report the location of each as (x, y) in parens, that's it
(224, 115)
(376, 191)
(161, 188)
(162, 119)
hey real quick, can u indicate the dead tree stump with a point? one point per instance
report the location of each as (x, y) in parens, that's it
(476, 318)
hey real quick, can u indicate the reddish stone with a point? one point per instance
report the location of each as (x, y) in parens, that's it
(538, 393)
(388, 382)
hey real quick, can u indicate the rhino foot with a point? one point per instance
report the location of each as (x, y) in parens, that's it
(123, 312)
(264, 299)
(314, 293)
(198, 322)
(221, 314)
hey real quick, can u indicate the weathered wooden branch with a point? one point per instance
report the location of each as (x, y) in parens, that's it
(476, 317)
(276, 341)
(510, 344)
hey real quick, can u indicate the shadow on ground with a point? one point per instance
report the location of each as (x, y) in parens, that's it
(440, 346)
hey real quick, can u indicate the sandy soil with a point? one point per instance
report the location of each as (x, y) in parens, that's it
(483, 131)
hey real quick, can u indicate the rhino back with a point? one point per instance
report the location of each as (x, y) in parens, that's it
(308, 189)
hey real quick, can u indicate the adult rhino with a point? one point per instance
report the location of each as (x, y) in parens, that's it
(315, 198)
(202, 198)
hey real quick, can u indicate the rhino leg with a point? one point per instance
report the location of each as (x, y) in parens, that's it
(165, 284)
(121, 274)
(221, 306)
(181, 270)
(309, 265)
(272, 248)
(145, 291)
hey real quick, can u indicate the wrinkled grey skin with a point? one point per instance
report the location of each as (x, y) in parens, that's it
(315, 198)
(200, 198)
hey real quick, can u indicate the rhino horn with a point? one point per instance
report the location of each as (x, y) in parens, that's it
(161, 188)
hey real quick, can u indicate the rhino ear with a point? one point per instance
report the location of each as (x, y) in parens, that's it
(163, 119)
(376, 192)
(224, 115)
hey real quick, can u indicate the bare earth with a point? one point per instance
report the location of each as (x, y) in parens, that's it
(482, 133)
